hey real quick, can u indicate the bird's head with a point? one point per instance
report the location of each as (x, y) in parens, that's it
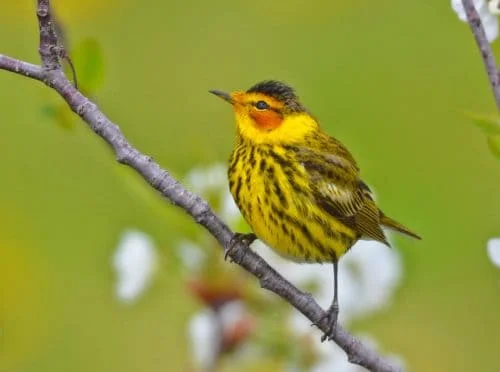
(269, 112)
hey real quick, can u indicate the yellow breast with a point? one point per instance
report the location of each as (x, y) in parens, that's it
(274, 195)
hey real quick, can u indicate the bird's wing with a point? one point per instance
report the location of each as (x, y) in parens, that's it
(338, 190)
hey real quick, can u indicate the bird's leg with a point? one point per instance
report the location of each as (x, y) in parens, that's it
(246, 239)
(333, 311)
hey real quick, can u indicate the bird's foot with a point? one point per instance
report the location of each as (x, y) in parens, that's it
(331, 315)
(246, 239)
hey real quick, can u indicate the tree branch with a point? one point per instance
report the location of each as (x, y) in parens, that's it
(48, 37)
(20, 67)
(484, 47)
(52, 75)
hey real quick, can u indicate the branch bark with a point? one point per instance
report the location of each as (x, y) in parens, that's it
(51, 74)
(20, 67)
(484, 47)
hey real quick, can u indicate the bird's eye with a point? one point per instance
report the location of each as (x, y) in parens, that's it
(262, 105)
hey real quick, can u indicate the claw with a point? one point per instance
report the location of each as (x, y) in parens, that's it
(246, 239)
(332, 315)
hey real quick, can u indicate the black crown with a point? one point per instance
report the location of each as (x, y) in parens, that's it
(280, 91)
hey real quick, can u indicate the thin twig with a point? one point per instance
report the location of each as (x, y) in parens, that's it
(68, 59)
(52, 75)
(484, 47)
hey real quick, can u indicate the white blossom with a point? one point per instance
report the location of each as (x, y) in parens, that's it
(213, 181)
(134, 261)
(493, 248)
(487, 10)
(205, 338)
(210, 183)
(191, 255)
(206, 179)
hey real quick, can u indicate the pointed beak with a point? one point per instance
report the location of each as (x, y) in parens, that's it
(225, 96)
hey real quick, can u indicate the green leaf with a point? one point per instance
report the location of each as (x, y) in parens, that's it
(494, 144)
(88, 60)
(49, 111)
(489, 124)
(60, 114)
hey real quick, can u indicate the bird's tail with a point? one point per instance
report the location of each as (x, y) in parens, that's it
(390, 223)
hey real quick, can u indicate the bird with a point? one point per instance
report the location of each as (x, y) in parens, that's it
(298, 188)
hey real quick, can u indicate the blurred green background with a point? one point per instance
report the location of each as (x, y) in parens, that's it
(390, 78)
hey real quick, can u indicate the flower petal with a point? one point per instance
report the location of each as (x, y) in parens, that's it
(134, 261)
(204, 337)
(458, 7)
(493, 248)
(490, 24)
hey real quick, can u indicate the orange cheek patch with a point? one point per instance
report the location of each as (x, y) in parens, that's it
(266, 119)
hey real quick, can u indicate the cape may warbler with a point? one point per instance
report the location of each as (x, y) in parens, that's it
(298, 188)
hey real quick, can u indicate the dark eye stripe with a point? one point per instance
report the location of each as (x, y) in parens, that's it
(276, 110)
